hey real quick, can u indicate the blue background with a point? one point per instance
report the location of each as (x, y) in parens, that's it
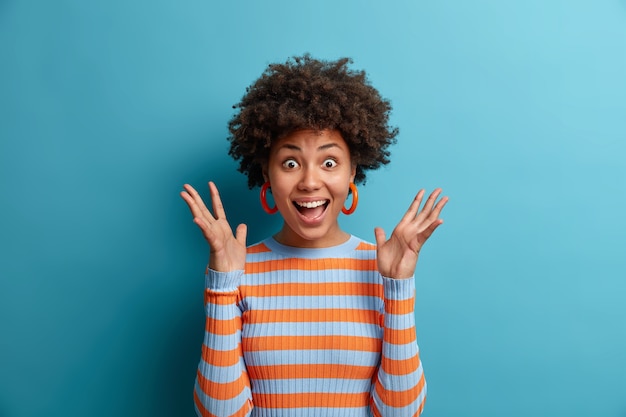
(516, 108)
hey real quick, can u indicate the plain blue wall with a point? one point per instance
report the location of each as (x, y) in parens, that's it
(516, 108)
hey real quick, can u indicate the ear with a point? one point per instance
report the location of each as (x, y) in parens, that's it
(266, 177)
(353, 173)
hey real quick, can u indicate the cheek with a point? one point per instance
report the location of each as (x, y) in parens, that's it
(280, 187)
(340, 189)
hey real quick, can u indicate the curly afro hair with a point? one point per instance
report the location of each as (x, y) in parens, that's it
(306, 93)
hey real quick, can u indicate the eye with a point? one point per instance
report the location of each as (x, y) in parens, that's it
(330, 163)
(290, 164)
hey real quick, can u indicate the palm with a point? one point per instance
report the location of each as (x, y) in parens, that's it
(227, 251)
(398, 256)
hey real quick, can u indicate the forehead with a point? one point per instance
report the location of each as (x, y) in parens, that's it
(310, 140)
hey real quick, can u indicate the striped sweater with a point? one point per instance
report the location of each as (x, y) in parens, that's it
(309, 332)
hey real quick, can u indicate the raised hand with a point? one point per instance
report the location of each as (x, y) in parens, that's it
(397, 256)
(227, 251)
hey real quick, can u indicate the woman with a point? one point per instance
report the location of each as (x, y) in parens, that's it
(311, 321)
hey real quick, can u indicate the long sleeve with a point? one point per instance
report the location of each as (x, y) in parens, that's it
(400, 387)
(222, 386)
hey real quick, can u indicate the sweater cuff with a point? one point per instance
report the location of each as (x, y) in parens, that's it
(399, 289)
(222, 281)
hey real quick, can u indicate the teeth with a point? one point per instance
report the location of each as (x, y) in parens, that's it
(311, 204)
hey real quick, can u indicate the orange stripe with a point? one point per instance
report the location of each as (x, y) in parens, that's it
(311, 265)
(363, 344)
(377, 413)
(400, 337)
(400, 398)
(221, 358)
(220, 298)
(259, 248)
(203, 411)
(400, 367)
(313, 289)
(223, 327)
(243, 411)
(400, 306)
(304, 400)
(312, 315)
(374, 409)
(223, 391)
(329, 371)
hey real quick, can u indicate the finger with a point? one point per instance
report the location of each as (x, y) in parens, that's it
(193, 206)
(208, 232)
(430, 202)
(430, 229)
(194, 196)
(240, 233)
(436, 211)
(197, 204)
(218, 207)
(379, 234)
(429, 212)
(440, 205)
(414, 207)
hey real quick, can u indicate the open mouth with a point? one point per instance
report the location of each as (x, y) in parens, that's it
(311, 209)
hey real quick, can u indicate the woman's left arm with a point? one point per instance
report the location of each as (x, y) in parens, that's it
(400, 387)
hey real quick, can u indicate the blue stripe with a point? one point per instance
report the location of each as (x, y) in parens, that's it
(315, 356)
(221, 374)
(400, 382)
(399, 289)
(400, 352)
(309, 385)
(312, 277)
(338, 251)
(219, 342)
(222, 312)
(313, 329)
(223, 282)
(400, 321)
(311, 302)
(311, 412)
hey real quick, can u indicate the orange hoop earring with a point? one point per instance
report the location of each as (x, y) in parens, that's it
(266, 207)
(355, 200)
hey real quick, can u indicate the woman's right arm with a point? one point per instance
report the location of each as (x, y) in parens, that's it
(222, 386)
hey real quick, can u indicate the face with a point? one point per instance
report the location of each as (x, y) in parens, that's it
(310, 173)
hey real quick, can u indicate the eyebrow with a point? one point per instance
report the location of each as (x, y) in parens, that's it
(319, 148)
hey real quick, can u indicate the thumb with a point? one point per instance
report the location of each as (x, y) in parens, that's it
(379, 233)
(240, 233)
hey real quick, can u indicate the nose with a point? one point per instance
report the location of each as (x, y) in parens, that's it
(310, 179)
